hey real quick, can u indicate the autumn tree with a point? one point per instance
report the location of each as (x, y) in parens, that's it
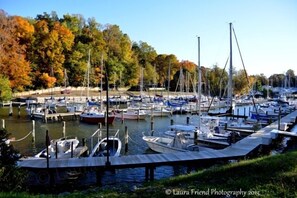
(166, 64)
(52, 40)
(13, 63)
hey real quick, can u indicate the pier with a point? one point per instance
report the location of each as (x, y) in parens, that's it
(59, 116)
(238, 150)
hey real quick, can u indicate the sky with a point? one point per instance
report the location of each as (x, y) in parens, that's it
(266, 30)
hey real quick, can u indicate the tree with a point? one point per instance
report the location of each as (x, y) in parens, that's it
(52, 41)
(240, 83)
(119, 54)
(5, 90)
(13, 63)
(218, 79)
(145, 56)
(163, 62)
(11, 177)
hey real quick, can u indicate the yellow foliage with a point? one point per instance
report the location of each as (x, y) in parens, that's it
(47, 80)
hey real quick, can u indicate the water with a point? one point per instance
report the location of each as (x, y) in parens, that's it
(21, 126)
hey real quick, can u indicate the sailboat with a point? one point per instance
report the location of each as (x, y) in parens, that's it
(93, 114)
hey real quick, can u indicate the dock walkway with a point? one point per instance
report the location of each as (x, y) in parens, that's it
(237, 150)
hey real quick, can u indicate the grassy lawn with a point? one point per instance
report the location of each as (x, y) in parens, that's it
(270, 176)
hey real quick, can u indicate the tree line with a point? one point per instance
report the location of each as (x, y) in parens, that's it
(41, 52)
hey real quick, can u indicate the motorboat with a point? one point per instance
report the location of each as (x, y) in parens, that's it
(113, 145)
(62, 148)
(189, 132)
(171, 145)
(131, 114)
(93, 115)
(159, 111)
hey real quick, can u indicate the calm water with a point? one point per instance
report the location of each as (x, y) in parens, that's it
(21, 126)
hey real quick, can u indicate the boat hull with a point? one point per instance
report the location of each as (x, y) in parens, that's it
(160, 144)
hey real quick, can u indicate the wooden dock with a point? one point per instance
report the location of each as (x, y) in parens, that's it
(238, 150)
(59, 116)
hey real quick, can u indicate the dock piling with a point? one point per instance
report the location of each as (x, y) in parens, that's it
(10, 109)
(33, 131)
(126, 139)
(64, 129)
(100, 131)
(3, 124)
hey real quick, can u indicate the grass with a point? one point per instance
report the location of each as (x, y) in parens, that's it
(270, 176)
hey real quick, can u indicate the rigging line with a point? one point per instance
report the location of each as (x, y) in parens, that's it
(245, 72)
(21, 138)
(221, 77)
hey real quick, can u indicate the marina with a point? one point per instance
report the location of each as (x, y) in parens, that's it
(241, 149)
(138, 159)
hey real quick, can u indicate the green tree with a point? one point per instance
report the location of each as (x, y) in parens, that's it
(164, 64)
(119, 54)
(240, 83)
(145, 56)
(5, 90)
(11, 177)
(218, 79)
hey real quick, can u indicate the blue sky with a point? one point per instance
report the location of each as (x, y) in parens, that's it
(266, 29)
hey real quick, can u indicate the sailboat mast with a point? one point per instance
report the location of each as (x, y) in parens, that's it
(88, 73)
(101, 88)
(230, 70)
(168, 83)
(199, 86)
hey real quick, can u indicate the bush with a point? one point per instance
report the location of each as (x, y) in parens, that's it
(12, 178)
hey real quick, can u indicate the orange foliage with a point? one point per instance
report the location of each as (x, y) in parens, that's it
(24, 30)
(47, 80)
(189, 66)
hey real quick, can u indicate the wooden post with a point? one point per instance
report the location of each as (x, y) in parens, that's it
(33, 131)
(64, 129)
(122, 116)
(71, 149)
(105, 118)
(10, 109)
(195, 137)
(152, 128)
(188, 119)
(3, 123)
(100, 131)
(56, 145)
(138, 112)
(171, 123)
(47, 143)
(152, 125)
(126, 139)
(244, 111)
(151, 173)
